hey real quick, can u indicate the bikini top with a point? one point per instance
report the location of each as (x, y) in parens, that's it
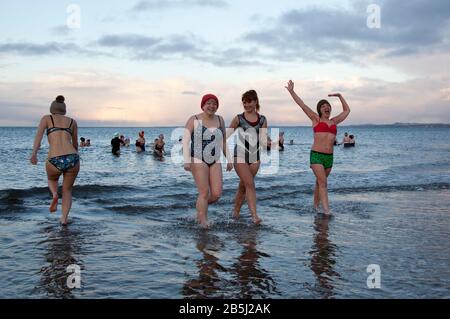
(54, 129)
(323, 127)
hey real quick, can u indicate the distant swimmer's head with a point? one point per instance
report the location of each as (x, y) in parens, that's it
(250, 101)
(58, 106)
(82, 139)
(116, 134)
(141, 134)
(351, 136)
(346, 134)
(161, 136)
(209, 103)
(324, 108)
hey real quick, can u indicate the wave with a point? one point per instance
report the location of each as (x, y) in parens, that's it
(132, 209)
(18, 199)
(307, 189)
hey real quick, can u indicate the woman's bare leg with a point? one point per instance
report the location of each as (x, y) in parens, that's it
(68, 181)
(239, 199)
(321, 184)
(200, 171)
(53, 176)
(215, 183)
(247, 173)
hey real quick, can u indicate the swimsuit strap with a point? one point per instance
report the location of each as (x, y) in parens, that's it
(220, 123)
(71, 121)
(53, 123)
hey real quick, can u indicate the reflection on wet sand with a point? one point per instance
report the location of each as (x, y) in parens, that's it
(244, 279)
(252, 280)
(207, 284)
(64, 249)
(323, 258)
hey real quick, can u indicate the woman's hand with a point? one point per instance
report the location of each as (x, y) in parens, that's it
(229, 166)
(33, 159)
(187, 167)
(290, 86)
(335, 94)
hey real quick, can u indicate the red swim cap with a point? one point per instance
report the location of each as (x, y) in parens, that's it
(207, 97)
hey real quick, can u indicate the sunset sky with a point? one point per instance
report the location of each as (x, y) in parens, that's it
(147, 63)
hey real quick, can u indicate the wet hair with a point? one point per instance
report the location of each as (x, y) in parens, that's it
(351, 136)
(82, 139)
(346, 134)
(319, 105)
(249, 96)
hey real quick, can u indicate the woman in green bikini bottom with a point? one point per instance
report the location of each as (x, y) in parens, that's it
(325, 130)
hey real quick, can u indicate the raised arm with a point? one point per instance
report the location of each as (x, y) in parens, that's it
(346, 109)
(37, 140)
(310, 113)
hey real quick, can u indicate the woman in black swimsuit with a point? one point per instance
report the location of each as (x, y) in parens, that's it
(63, 159)
(251, 128)
(205, 132)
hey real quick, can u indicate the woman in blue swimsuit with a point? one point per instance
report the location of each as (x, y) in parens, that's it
(205, 132)
(63, 159)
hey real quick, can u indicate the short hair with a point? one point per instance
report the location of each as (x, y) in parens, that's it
(319, 105)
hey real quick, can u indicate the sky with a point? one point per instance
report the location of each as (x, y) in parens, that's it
(149, 62)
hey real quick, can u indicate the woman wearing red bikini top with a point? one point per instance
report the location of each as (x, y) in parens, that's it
(325, 130)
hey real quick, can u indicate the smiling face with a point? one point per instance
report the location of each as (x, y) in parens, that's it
(250, 105)
(210, 107)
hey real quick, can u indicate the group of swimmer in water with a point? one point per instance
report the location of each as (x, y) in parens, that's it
(347, 141)
(203, 142)
(119, 141)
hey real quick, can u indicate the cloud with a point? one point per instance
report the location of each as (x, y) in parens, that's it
(140, 47)
(322, 34)
(46, 49)
(189, 93)
(61, 30)
(129, 41)
(167, 4)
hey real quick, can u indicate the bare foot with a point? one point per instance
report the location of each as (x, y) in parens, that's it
(235, 214)
(64, 222)
(203, 221)
(54, 205)
(256, 219)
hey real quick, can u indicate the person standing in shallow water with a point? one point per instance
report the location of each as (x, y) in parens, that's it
(205, 132)
(251, 128)
(140, 142)
(115, 144)
(63, 158)
(325, 130)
